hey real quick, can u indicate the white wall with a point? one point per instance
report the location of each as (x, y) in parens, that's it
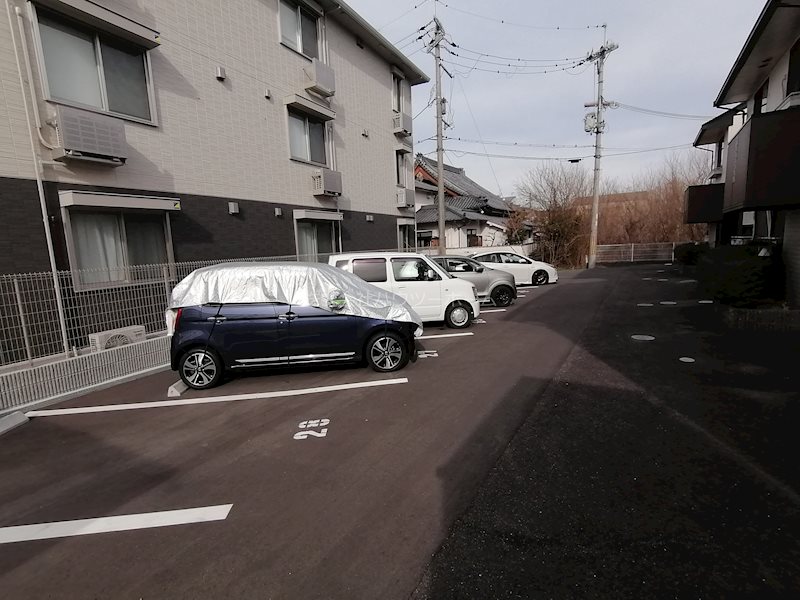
(225, 138)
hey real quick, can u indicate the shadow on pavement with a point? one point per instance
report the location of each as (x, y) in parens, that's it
(634, 473)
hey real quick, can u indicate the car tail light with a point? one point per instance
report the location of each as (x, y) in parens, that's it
(178, 318)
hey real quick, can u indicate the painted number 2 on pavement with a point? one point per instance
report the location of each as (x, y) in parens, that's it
(310, 427)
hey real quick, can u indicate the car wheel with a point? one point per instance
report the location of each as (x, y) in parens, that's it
(387, 352)
(458, 315)
(200, 368)
(502, 295)
(540, 278)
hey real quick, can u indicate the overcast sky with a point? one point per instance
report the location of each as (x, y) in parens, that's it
(673, 57)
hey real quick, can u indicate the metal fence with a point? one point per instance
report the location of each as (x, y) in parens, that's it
(613, 253)
(93, 301)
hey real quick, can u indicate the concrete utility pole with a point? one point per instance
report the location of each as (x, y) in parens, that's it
(599, 125)
(437, 39)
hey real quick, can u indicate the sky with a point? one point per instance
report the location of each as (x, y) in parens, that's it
(673, 57)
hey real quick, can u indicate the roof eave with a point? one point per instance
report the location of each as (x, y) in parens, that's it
(361, 28)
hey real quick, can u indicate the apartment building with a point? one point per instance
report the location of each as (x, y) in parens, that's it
(174, 130)
(753, 191)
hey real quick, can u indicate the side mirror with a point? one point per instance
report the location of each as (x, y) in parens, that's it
(479, 270)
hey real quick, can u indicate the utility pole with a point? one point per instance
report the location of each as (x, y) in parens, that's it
(599, 125)
(437, 39)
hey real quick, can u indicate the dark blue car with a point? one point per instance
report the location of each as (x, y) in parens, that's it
(212, 338)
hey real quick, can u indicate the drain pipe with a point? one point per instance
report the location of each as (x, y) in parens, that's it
(39, 185)
(27, 58)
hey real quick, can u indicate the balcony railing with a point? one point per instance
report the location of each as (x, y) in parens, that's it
(763, 168)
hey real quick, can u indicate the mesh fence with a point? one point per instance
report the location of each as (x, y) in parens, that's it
(658, 251)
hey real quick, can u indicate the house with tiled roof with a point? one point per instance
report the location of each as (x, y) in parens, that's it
(474, 216)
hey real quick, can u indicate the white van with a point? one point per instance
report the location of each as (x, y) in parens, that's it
(433, 293)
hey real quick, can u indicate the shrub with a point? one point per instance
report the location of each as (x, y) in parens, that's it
(738, 276)
(689, 254)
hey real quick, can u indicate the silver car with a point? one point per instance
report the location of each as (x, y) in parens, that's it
(492, 285)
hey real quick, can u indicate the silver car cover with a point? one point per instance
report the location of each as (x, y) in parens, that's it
(296, 283)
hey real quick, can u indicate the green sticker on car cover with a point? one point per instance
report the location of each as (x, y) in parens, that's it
(336, 300)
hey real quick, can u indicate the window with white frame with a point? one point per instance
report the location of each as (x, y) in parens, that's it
(111, 246)
(397, 93)
(91, 69)
(307, 138)
(299, 29)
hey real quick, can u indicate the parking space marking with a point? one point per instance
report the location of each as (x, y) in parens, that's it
(444, 335)
(493, 310)
(212, 399)
(428, 354)
(164, 518)
(309, 431)
(479, 321)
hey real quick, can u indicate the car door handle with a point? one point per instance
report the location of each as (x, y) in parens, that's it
(289, 316)
(217, 319)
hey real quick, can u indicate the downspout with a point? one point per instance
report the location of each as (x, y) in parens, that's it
(29, 72)
(39, 185)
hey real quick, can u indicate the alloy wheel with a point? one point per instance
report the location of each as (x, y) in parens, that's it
(199, 368)
(386, 353)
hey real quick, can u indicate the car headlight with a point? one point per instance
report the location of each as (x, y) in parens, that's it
(475, 292)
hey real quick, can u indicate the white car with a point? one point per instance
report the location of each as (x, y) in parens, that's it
(525, 270)
(432, 292)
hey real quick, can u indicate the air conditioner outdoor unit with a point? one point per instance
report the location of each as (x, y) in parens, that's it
(405, 198)
(86, 136)
(327, 183)
(401, 124)
(114, 338)
(322, 79)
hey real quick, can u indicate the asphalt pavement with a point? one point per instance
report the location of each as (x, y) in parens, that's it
(226, 493)
(658, 467)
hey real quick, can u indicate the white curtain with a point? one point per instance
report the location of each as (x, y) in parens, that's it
(307, 240)
(98, 246)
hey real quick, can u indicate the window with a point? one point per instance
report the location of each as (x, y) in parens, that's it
(760, 104)
(94, 70)
(111, 247)
(400, 168)
(316, 239)
(718, 155)
(397, 93)
(412, 269)
(370, 269)
(472, 232)
(793, 81)
(299, 29)
(406, 237)
(514, 259)
(459, 266)
(307, 138)
(493, 258)
(424, 239)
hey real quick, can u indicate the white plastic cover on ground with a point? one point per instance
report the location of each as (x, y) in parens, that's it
(299, 284)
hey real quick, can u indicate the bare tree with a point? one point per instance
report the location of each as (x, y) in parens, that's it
(550, 190)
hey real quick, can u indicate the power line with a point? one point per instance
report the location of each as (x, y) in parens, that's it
(514, 72)
(566, 158)
(518, 144)
(415, 32)
(506, 22)
(658, 113)
(410, 10)
(477, 129)
(517, 62)
(463, 49)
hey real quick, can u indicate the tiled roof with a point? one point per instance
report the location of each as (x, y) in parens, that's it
(430, 214)
(456, 180)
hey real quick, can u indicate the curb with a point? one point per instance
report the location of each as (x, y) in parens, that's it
(12, 421)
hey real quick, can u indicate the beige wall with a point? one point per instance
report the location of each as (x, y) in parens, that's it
(225, 138)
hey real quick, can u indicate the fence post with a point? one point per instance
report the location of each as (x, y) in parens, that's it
(165, 272)
(631, 252)
(22, 321)
(673, 252)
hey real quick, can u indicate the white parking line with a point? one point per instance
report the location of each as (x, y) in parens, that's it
(493, 310)
(164, 518)
(443, 335)
(211, 399)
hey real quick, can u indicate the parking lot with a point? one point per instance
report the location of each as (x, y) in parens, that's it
(324, 483)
